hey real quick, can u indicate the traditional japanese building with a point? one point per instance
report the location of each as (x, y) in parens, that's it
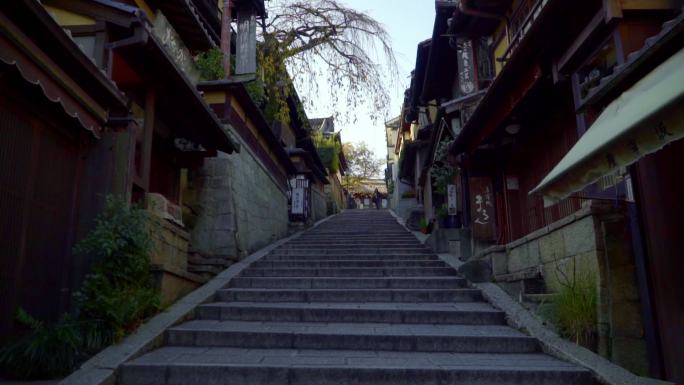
(329, 147)
(307, 187)
(553, 182)
(56, 157)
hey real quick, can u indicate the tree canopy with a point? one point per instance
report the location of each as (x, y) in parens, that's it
(362, 164)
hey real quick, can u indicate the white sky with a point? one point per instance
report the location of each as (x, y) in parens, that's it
(408, 22)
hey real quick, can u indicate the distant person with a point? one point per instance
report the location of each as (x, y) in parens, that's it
(377, 199)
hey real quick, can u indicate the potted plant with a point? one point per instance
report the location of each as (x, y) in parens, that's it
(425, 226)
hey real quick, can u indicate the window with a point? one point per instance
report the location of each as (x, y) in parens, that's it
(600, 64)
(87, 44)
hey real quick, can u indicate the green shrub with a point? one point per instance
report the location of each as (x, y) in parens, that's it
(328, 149)
(210, 64)
(423, 223)
(119, 291)
(115, 298)
(574, 309)
(49, 351)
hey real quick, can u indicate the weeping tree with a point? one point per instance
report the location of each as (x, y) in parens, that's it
(304, 42)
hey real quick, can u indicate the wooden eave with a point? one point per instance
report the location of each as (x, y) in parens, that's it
(474, 25)
(257, 5)
(54, 41)
(45, 55)
(307, 144)
(189, 114)
(441, 66)
(236, 88)
(311, 168)
(198, 29)
(420, 73)
(113, 12)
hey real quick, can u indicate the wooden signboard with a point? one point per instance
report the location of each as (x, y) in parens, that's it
(298, 200)
(246, 43)
(452, 199)
(466, 66)
(482, 209)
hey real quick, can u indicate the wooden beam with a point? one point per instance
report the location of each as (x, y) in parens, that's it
(148, 136)
(612, 10)
(597, 21)
(650, 4)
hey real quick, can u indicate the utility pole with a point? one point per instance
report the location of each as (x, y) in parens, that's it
(225, 37)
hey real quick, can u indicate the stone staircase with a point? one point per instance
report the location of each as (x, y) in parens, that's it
(356, 300)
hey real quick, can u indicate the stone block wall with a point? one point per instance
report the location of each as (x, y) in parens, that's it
(595, 243)
(169, 244)
(239, 206)
(552, 252)
(320, 206)
(169, 259)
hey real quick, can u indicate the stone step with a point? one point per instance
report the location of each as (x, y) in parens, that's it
(359, 233)
(348, 250)
(349, 283)
(464, 313)
(355, 245)
(349, 295)
(351, 257)
(352, 237)
(242, 366)
(352, 336)
(349, 272)
(369, 242)
(294, 263)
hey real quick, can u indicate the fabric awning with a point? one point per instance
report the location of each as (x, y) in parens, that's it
(641, 121)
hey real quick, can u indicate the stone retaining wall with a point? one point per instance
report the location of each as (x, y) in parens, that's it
(240, 206)
(320, 207)
(594, 242)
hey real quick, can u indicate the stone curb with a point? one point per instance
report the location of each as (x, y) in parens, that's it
(605, 371)
(102, 368)
(517, 316)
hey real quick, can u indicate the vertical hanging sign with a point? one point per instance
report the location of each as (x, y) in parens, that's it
(298, 200)
(466, 66)
(451, 199)
(245, 62)
(482, 208)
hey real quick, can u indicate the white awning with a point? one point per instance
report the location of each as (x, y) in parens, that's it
(641, 121)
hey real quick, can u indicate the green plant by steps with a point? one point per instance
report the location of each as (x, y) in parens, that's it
(116, 296)
(423, 223)
(49, 351)
(574, 307)
(442, 172)
(119, 291)
(408, 194)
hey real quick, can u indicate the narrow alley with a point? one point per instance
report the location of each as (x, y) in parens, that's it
(357, 300)
(347, 192)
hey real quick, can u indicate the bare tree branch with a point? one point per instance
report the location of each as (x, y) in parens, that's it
(323, 38)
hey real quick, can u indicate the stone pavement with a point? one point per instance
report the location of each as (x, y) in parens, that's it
(357, 300)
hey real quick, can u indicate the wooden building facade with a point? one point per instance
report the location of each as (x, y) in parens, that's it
(533, 79)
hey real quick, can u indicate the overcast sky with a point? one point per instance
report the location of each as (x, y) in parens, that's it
(408, 22)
